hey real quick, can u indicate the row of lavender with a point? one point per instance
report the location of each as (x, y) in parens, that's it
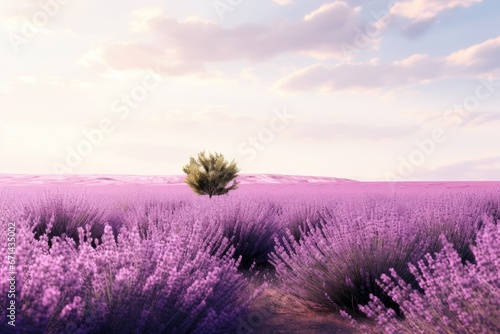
(415, 263)
(77, 274)
(153, 261)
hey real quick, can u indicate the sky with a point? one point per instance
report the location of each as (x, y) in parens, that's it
(366, 90)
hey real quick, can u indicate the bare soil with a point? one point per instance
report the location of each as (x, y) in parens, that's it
(275, 313)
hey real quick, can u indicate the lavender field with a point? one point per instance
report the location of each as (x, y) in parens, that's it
(250, 167)
(278, 255)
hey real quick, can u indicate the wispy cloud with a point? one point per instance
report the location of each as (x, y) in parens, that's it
(422, 10)
(350, 131)
(481, 118)
(477, 60)
(184, 46)
(420, 15)
(486, 169)
(283, 2)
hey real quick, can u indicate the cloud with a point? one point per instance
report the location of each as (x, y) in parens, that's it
(343, 130)
(480, 58)
(141, 56)
(283, 2)
(249, 74)
(487, 169)
(477, 119)
(4, 86)
(423, 10)
(477, 60)
(141, 17)
(417, 28)
(211, 120)
(146, 152)
(420, 15)
(187, 45)
(20, 9)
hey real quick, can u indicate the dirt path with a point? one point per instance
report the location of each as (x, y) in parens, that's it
(275, 313)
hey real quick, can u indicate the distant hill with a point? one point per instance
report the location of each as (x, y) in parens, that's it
(26, 179)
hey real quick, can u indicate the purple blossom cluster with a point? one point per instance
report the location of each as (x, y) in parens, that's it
(249, 224)
(336, 262)
(456, 297)
(68, 212)
(166, 283)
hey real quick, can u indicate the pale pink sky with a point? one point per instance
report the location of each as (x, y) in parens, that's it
(359, 89)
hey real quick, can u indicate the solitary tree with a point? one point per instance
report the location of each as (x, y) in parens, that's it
(210, 175)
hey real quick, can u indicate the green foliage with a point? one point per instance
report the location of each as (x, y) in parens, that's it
(210, 175)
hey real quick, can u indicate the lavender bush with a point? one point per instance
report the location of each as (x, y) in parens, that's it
(250, 226)
(300, 215)
(456, 298)
(164, 284)
(338, 262)
(68, 214)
